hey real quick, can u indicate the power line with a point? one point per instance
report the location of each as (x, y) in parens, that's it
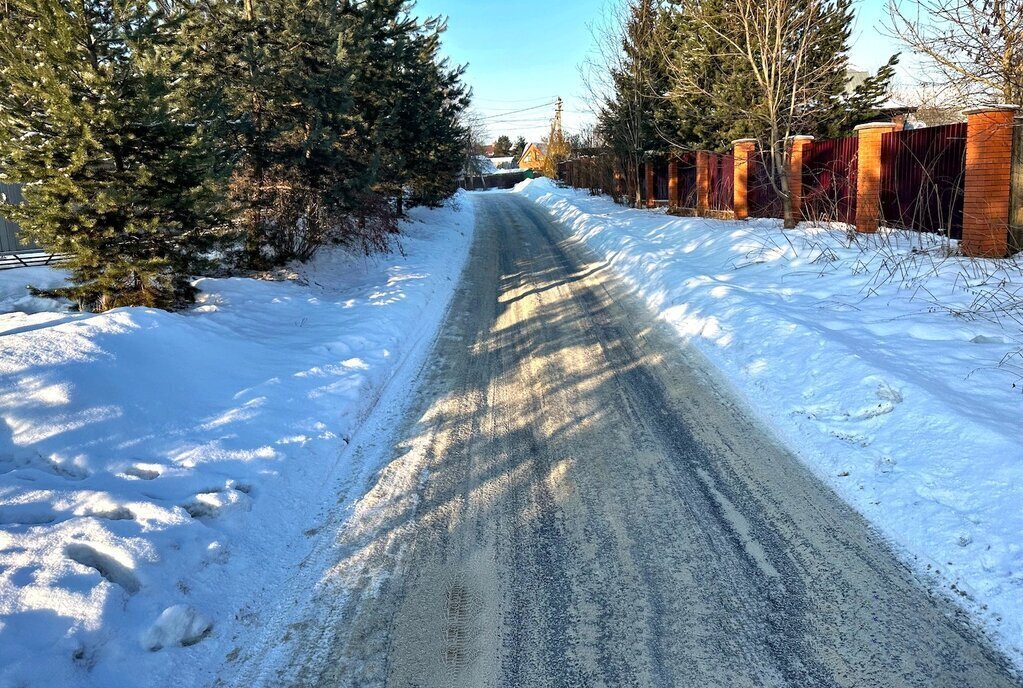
(515, 112)
(547, 99)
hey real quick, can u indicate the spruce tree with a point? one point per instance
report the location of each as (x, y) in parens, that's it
(95, 125)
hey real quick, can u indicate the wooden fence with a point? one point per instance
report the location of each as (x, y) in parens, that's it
(495, 181)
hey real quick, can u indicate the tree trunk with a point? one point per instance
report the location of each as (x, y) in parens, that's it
(640, 182)
(781, 174)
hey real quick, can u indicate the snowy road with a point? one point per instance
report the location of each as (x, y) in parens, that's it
(574, 500)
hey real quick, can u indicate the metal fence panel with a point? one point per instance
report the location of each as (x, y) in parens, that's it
(829, 180)
(722, 182)
(10, 239)
(763, 200)
(922, 179)
(687, 191)
(661, 180)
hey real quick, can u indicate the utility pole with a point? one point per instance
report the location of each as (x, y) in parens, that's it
(556, 124)
(557, 149)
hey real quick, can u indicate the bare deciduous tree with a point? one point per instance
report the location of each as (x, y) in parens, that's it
(476, 134)
(775, 44)
(616, 74)
(972, 48)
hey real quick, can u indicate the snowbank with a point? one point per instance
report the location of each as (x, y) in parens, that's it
(159, 472)
(899, 405)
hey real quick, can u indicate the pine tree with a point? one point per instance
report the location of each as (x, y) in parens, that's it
(631, 119)
(94, 123)
(502, 147)
(286, 85)
(412, 102)
(518, 149)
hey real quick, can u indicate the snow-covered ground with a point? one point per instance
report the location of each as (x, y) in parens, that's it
(160, 473)
(893, 400)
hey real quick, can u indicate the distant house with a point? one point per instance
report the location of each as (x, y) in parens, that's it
(533, 157)
(854, 79)
(903, 116)
(481, 164)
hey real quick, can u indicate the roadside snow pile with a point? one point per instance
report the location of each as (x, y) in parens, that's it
(897, 403)
(16, 301)
(158, 471)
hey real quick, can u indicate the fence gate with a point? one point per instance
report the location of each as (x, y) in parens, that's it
(922, 179)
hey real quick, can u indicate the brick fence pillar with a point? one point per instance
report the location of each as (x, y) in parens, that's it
(673, 199)
(797, 151)
(651, 202)
(743, 150)
(987, 198)
(868, 171)
(702, 182)
(1016, 194)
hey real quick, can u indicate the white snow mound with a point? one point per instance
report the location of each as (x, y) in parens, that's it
(178, 626)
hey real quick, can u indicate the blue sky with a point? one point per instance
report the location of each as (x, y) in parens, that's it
(523, 53)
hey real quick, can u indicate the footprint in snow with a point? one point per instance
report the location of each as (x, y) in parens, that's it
(108, 566)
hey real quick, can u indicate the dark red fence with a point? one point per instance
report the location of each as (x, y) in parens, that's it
(763, 200)
(922, 173)
(660, 180)
(829, 180)
(687, 191)
(722, 182)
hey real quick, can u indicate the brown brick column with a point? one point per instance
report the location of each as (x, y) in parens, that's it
(1016, 189)
(868, 170)
(743, 150)
(673, 199)
(651, 202)
(987, 201)
(798, 146)
(702, 182)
